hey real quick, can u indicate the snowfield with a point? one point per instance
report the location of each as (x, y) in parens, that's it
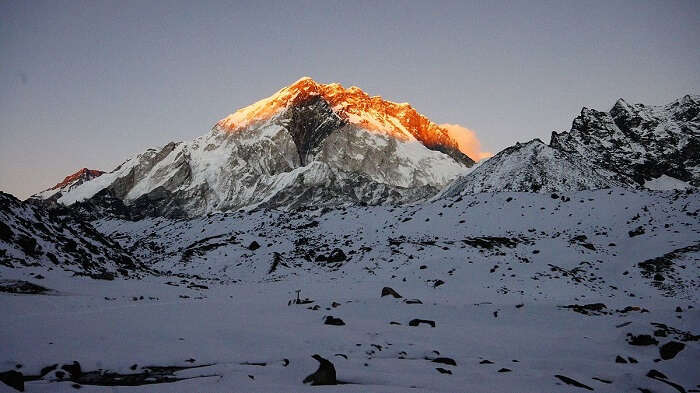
(592, 290)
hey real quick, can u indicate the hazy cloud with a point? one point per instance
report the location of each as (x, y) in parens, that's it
(467, 141)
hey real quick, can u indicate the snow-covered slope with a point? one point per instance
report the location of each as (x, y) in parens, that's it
(308, 144)
(33, 237)
(530, 167)
(527, 293)
(639, 142)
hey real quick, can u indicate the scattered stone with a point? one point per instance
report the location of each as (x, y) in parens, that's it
(416, 322)
(444, 360)
(443, 371)
(325, 375)
(641, 340)
(253, 246)
(670, 349)
(485, 361)
(260, 364)
(504, 370)
(413, 301)
(620, 359)
(602, 380)
(48, 369)
(337, 255)
(394, 323)
(330, 320)
(679, 309)
(73, 369)
(437, 283)
(388, 291)
(636, 232)
(588, 309)
(632, 360)
(659, 376)
(572, 382)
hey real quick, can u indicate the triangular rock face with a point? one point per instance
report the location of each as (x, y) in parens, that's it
(307, 145)
(530, 167)
(639, 142)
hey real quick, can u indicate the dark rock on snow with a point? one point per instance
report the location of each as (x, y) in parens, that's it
(325, 375)
(388, 291)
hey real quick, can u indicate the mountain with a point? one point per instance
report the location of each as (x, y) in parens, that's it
(530, 167)
(67, 184)
(308, 144)
(639, 142)
(657, 147)
(31, 236)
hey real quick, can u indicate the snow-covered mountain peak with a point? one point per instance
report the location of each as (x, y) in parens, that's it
(353, 106)
(532, 166)
(68, 183)
(640, 142)
(84, 174)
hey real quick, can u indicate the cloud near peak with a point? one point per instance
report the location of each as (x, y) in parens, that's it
(467, 141)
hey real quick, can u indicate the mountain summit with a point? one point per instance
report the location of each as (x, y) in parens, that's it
(68, 183)
(352, 106)
(309, 144)
(632, 145)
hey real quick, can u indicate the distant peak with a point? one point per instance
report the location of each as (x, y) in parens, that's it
(84, 174)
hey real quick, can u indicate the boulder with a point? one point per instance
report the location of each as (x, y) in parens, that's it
(388, 291)
(325, 375)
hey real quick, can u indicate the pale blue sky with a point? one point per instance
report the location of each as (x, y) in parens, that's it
(86, 84)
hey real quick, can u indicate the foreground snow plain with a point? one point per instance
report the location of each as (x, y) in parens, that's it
(493, 271)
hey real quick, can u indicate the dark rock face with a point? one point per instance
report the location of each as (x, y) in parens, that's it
(641, 340)
(330, 320)
(388, 291)
(417, 322)
(572, 382)
(325, 375)
(588, 309)
(337, 255)
(638, 142)
(13, 379)
(310, 123)
(670, 349)
(444, 360)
